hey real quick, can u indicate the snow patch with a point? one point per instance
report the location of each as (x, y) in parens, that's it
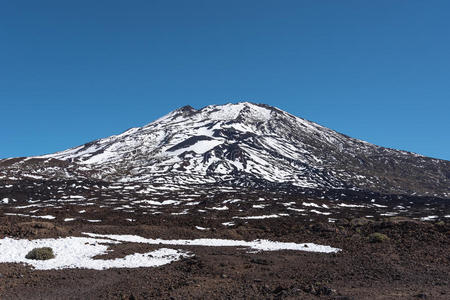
(257, 217)
(78, 252)
(429, 218)
(258, 245)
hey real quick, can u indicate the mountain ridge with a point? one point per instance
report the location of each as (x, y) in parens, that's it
(243, 142)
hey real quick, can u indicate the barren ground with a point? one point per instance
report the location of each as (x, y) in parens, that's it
(413, 264)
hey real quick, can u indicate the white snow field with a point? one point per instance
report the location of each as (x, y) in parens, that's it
(259, 245)
(79, 252)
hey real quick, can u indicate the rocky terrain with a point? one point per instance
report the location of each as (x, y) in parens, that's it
(233, 201)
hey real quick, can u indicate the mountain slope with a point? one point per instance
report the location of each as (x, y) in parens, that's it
(241, 144)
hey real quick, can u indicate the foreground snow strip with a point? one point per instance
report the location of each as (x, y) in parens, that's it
(259, 245)
(79, 252)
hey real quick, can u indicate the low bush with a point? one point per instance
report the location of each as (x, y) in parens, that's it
(43, 253)
(378, 237)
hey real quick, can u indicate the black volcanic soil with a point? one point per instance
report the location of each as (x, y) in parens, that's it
(414, 263)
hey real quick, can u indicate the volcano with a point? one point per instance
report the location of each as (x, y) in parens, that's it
(240, 145)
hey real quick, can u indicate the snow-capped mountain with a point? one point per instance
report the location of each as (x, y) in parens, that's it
(241, 144)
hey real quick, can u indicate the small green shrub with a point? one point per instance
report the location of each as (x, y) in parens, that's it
(377, 237)
(43, 253)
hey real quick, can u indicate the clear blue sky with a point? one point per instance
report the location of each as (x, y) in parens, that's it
(75, 71)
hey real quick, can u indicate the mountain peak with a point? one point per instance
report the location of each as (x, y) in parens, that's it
(240, 110)
(187, 108)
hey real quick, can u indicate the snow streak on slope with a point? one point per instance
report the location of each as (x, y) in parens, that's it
(216, 142)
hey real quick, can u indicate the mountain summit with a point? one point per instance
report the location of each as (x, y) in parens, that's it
(243, 144)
